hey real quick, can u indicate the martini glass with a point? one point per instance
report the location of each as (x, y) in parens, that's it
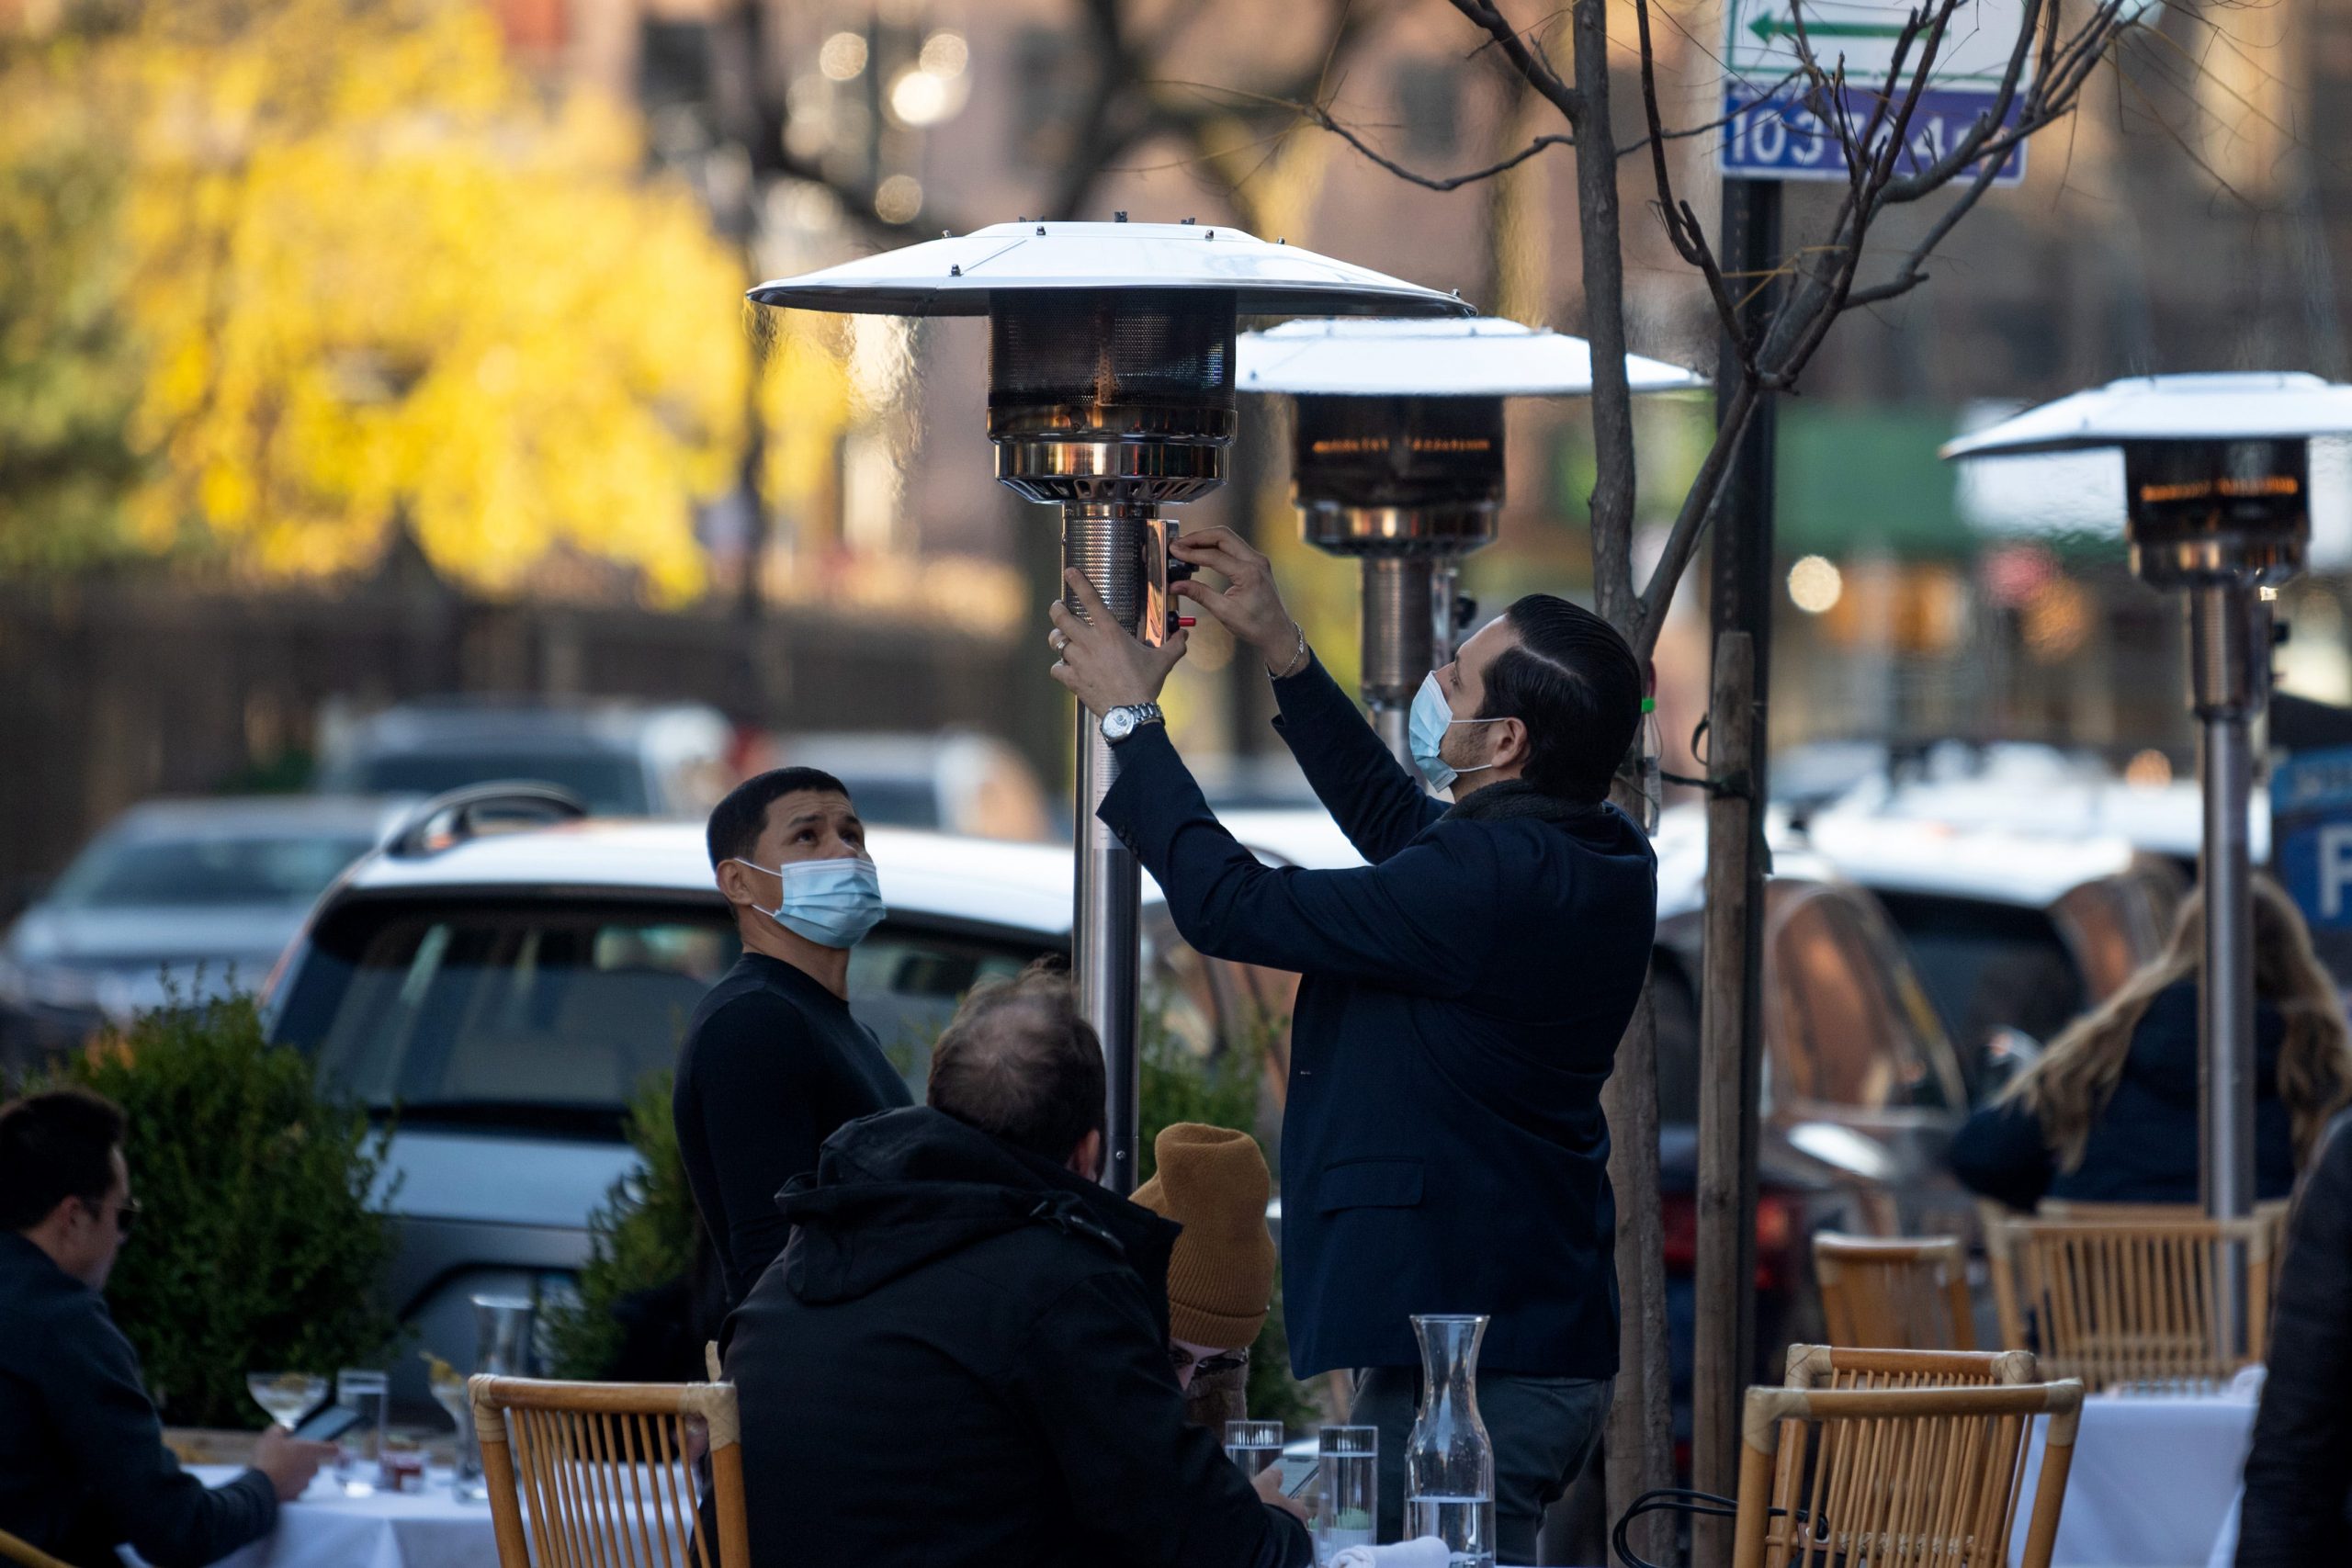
(287, 1396)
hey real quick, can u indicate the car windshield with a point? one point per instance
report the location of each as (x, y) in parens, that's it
(124, 873)
(612, 786)
(1989, 965)
(544, 1016)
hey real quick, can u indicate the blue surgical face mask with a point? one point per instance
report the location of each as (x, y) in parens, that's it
(833, 903)
(1431, 717)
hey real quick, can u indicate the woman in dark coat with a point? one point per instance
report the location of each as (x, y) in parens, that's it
(2109, 1114)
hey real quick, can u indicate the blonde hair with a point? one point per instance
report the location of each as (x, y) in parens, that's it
(2071, 1083)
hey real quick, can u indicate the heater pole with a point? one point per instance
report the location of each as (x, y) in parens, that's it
(2227, 692)
(1398, 633)
(1106, 542)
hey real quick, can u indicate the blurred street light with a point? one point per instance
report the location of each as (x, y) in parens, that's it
(1815, 584)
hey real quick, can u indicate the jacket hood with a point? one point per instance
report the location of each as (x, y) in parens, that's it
(902, 1188)
(2163, 1055)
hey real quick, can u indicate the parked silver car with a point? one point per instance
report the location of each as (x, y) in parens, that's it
(183, 896)
(623, 759)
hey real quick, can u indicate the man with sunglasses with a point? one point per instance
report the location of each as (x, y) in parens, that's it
(82, 1465)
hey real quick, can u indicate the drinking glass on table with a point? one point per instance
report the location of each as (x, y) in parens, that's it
(1253, 1445)
(1347, 1480)
(287, 1396)
(361, 1450)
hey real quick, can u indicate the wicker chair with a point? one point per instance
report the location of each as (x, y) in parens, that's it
(604, 1473)
(1902, 1292)
(25, 1556)
(1838, 1367)
(1900, 1476)
(2136, 1302)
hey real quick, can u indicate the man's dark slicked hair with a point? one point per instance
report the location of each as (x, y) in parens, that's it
(1576, 685)
(735, 822)
(1019, 1063)
(54, 1146)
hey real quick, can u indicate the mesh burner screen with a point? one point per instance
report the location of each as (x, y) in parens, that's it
(1112, 364)
(1405, 453)
(2218, 511)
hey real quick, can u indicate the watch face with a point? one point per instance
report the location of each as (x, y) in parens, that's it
(1116, 724)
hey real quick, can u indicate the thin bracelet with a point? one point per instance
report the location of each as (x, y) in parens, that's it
(1298, 657)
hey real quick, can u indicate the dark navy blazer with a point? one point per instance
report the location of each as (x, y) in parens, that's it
(1443, 1149)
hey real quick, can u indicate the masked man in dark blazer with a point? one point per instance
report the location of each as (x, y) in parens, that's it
(1443, 1149)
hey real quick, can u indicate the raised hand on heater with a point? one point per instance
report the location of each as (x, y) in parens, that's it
(1249, 606)
(1108, 666)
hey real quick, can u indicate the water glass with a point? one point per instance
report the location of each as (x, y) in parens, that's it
(1347, 1480)
(1253, 1445)
(361, 1450)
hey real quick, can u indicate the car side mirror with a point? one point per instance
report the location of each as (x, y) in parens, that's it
(2007, 1054)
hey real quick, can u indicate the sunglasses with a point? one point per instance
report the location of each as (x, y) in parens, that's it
(125, 1217)
(1180, 1359)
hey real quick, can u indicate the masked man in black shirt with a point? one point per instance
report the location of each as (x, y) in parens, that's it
(774, 1062)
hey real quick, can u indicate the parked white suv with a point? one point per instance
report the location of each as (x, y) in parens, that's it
(506, 992)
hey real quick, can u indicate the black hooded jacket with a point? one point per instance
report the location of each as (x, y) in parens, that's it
(961, 1358)
(2298, 1506)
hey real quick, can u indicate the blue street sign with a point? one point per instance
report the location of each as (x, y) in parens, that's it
(2311, 834)
(1774, 49)
(1780, 138)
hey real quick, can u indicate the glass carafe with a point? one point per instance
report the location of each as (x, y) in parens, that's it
(502, 1349)
(1449, 1459)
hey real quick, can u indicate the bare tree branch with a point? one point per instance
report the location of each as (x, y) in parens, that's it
(1317, 114)
(1525, 59)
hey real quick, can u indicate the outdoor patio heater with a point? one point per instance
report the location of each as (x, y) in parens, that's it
(1397, 461)
(1109, 395)
(2217, 480)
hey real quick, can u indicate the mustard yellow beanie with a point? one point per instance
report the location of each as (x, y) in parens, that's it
(1213, 1182)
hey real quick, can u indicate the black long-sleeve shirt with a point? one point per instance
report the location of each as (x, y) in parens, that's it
(774, 1063)
(82, 1465)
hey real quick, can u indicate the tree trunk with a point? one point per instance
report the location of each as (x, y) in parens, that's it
(1725, 1268)
(1639, 1439)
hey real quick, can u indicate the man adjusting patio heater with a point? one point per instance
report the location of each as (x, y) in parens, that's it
(1396, 459)
(1111, 395)
(2217, 480)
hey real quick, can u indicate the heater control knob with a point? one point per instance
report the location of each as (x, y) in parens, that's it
(1178, 572)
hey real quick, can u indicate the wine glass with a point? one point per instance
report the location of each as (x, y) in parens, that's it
(450, 1391)
(287, 1396)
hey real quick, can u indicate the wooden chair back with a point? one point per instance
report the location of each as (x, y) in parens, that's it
(1839, 1366)
(2147, 1301)
(25, 1555)
(600, 1475)
(1900, 1477)
(1899, 1293)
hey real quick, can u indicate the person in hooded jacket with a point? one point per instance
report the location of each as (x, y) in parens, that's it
(960, 1360)
(1462, 998)
(2107, 1114)
(2298, 1505)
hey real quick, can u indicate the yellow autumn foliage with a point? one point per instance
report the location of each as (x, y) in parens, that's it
(379, 278)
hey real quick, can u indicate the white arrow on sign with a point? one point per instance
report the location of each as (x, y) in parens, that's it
(1763, 39)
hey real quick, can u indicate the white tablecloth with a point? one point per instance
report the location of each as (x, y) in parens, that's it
(2153, 1484)
(323, 1528)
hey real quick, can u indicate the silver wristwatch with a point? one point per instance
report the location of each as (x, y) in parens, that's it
(1120, 723)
